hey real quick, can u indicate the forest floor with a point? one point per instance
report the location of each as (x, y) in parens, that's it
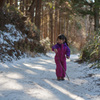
(35, 79)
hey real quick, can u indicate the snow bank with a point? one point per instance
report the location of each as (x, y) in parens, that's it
(7, 40)
(12, 35)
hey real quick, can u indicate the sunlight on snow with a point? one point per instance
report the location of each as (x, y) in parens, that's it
(46, 61)
(41, 93)
(13, 85)
(30, 72)
(4, 65)
(14, 75)
(39, 67)
(28, 65)
(16, 66)
(98, 76)
(71, 95)
(9, 84)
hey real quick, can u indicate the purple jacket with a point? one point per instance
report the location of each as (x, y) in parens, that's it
(62, 49)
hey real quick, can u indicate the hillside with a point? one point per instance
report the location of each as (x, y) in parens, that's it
(19, 37)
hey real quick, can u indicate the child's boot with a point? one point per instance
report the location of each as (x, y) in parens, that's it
(62, 79)
(58, 78)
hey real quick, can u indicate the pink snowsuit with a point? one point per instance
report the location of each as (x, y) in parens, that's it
(60, 58)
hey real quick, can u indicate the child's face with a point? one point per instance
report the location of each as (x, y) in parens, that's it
(60, 41)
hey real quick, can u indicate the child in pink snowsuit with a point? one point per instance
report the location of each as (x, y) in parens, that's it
(62, 51)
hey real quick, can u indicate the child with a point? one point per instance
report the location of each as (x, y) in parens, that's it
(61, 49)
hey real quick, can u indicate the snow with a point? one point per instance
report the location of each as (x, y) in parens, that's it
(12, 34)
(8, 39)
(35, 79)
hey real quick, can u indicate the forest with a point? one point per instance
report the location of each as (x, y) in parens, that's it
(29, 69)
(78, 20)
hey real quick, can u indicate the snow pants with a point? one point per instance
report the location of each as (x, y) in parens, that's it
(59, 64)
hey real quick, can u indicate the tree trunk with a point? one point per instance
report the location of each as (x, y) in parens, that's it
(2, 4)
(46, 17)
(55, 24)
(64, 25)
(8, 1)
(96, 16)
(11, 2)
(67, 26)
(31, 10)
(58, 22)
(38, 11)
(51, 26)
(42, 26)
(16, 3)
(27, 5)
(23, 3)
(90, 22)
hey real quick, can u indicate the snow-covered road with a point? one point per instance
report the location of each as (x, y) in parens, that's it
(35, 79)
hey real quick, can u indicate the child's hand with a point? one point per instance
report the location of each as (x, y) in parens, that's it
(68, 57)
(55, 50)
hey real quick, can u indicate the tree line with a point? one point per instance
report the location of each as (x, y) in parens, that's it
(52, 17)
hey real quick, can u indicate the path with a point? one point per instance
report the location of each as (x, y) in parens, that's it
(34, 79)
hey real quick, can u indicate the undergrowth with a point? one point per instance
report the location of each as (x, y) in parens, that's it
(91, 51)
